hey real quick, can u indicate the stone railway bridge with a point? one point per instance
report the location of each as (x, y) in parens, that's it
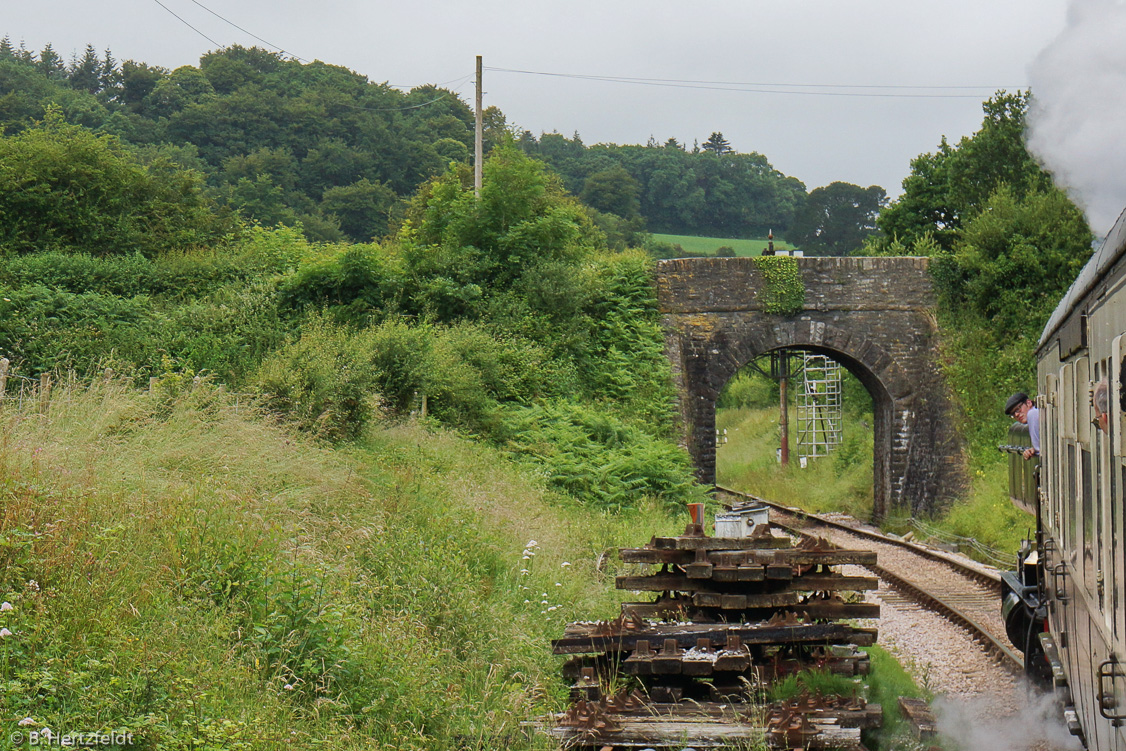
(875, 316)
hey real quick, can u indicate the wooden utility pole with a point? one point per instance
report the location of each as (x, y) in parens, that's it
(784, 371)
(478, 136)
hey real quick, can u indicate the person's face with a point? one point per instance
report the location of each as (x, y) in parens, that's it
(1020, 414)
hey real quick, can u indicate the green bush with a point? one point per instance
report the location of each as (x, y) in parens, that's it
(172, 275)
(459, 248)
(324, 381)
(227, 333)
(598, 458)
(43, 329)
(748, 389)
(624, 364)
(64, 187)
(354, 280)
(335, 379)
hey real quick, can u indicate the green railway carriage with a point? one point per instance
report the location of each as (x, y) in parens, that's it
(1066, 605)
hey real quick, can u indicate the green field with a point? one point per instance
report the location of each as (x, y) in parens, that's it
(709, 245)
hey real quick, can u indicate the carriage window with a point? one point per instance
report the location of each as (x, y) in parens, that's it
(1088, 521)
(1121, 385)
(1070, 498)
(1082, 401)
(1067, 399)
(1117, 395)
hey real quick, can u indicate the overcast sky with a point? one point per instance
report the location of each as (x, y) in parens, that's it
(835, 67)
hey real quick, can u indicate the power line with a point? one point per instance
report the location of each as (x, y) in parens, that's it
(462, 79)
(181, 20)
(250, 33)
(779, 88)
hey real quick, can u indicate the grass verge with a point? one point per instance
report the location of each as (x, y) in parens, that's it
(748, 461)
(184, 570)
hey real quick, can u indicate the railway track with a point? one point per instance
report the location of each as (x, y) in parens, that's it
(966, 594)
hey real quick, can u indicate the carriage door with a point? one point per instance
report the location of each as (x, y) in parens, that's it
(1118, 486)
(1050, 448)
(1069, 468)
(1104, 471)
(1064, 576)
(1088, 519)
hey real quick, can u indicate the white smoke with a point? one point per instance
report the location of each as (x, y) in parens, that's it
(1078, 112)
(983, 724)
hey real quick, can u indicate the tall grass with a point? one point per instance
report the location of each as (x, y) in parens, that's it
(185, 570)
(748, 461)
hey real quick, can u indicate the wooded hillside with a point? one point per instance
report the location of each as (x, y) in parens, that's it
(319, 146)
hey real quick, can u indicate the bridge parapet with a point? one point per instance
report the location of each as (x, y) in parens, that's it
(716, 285)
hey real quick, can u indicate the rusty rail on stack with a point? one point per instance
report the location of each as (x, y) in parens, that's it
(731, 616)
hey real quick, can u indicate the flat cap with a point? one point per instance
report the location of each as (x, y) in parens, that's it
(1015, 401)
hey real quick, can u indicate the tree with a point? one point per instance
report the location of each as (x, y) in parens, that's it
(494, 128)
(947, 187)
(51, 64)
(836, 219)
(137, 82)
(457, 245)
(85, 74)
(109, 76)
(1015, 258)
(613, 191)
(363, 208)
(184, 86)
(63, 187)
(717, 144)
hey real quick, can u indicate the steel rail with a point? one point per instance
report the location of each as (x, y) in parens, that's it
(1008, 658)
(988, 578)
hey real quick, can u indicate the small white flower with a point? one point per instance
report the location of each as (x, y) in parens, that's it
(4, 633)
(288, 687)
(564, 564)
(544, 602)
(531, 544)
(33, 585)
(27, 722)
(523, 572)
(527, 557)
(544, 594)
(558, 584)
(6, 606)
(526, 602)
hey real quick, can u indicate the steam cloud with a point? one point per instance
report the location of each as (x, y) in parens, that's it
(1079, 109)
(975, 726)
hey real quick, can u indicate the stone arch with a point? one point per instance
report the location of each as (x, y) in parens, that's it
(887, 384)
(873, 315)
